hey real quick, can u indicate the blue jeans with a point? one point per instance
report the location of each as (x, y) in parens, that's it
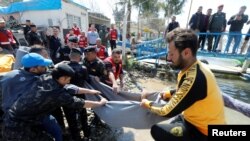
(237, 38)
(52, 127)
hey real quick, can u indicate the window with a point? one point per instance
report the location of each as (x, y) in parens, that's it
(73, 19)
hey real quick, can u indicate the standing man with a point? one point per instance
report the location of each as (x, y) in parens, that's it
(196, 89)
(202, 38)
(171, 26)
(82, 41)
(27, 28)
(54, 44)
(7, 41)
(114, 67)
(103, 33)
(237, 22)
(71, 33)
(196, 22)
(113, 36)
(34, 37)
(76, 29)
(244, 46)
(92, 35)
(101, 50)
(217, 25)
(81, 75)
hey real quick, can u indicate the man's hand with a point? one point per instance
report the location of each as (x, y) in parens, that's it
(115, 88)
(248, 22)
(103, 101)
(165, 96)
(143, 103)
(95, 92)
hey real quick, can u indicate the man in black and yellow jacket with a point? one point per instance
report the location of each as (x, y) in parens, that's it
(196, 102)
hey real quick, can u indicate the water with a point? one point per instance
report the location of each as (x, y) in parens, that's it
(238, 89)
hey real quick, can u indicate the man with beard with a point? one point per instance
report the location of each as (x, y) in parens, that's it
(197, 101)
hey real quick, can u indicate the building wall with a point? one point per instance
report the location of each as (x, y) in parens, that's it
(58, 17)
(76, 11)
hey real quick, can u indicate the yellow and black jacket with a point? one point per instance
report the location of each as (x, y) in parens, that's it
(197, 97)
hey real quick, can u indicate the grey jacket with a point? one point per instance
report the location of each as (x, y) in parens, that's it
(217, 22)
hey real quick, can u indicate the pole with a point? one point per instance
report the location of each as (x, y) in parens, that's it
(124, 38)
(189, 13)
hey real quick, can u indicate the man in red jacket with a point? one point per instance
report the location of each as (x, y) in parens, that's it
(101, 49)
(7, 41)
(113, 36)
(76, 29)
(82, 41)
(114, 66)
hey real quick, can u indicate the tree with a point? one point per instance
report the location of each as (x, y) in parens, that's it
(172, 7)
(144, 6)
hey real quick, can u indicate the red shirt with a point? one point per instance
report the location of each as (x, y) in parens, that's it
(76, 30)
(6, 38)
(83, 42)
(101, 52)
(66, 40)
(113, 34)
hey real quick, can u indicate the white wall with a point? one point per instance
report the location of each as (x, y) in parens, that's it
(41, 17)
(75, 11)
(58, 17)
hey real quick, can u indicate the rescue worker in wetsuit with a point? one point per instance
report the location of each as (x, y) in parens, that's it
(197, 102)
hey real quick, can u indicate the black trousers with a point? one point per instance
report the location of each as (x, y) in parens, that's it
(77, 120)
(216, 42)
(177, 130)
(113, 44)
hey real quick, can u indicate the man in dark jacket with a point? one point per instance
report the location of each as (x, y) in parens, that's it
(171, 26)
(237, 22)
(54, 44)
(34, 37)
(197, 20)
(27, 28)
(217, 24)
(202, 38)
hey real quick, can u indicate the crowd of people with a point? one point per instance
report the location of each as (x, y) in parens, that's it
(48, 91)
(210, 27)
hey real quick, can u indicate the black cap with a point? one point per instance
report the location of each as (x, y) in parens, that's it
(33, 25)
(65, 69)
(90, 49)
(27, 20)
(73, 39)
(76, 50)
